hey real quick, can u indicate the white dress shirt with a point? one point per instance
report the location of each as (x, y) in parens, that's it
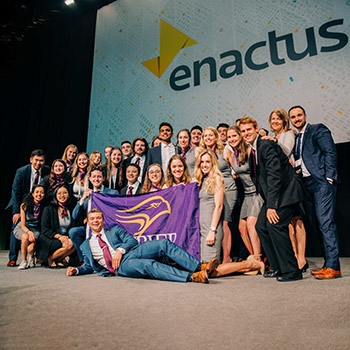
(32, 177)
(167, 152)
(300, 162)
(135, 186)
(96, 250)
(141, 164)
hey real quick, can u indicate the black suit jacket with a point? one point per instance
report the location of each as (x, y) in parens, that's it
(154, 155)
(126, 162)
(123, 190)
(278, 183)
(21, 186)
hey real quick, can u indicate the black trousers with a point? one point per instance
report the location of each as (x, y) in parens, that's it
(275, 240)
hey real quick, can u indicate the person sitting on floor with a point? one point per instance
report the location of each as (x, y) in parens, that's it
(129, 259)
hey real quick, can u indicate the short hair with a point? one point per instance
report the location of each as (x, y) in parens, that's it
(166, 124)
(98, 168)
(140, 139)
(95, 210)
(107, 147)
(37, 152)
(135, 166)
(249, 120)
(196, 127)
(282, 114)
(222, 125)
(297, 106)
(126, 142)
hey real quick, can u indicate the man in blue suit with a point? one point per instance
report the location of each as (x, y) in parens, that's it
(77, 234)
(117, 251)
(316, 161)
(26, 177)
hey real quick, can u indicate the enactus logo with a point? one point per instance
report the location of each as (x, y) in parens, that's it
(233, 62)
(171, 42)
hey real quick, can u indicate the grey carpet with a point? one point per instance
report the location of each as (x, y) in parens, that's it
(43, 309)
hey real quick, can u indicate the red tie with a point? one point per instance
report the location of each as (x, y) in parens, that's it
(130, 191)
(138, 161)
(36, 179)
(106, 253)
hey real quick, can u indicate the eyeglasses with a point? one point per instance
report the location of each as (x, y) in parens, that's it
(153, 172)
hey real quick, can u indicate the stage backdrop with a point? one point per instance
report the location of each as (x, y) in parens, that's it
(203, 62)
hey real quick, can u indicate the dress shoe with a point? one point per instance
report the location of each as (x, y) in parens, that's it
(271, 274)
(210, 266)
(290, 277)
(11, 263)
(200, 277)
(314, 272)
(305, 267)
(327, 274)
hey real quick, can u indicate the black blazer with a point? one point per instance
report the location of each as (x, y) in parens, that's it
(154, 155)
(21, 186)
(126, 162)
(123, 190)
(278, 183)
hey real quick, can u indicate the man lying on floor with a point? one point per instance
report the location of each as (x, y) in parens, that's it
(116, 251)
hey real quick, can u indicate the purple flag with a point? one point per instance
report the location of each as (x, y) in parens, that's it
(171, 213)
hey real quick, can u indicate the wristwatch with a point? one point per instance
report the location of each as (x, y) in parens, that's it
(212, 228)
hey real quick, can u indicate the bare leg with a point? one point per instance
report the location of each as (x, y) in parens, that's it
(242, 227)
(24, 245)
(30, 249)
(226, 243)
(61, 253)
(238, 267)
(300, 234)
(254, 239)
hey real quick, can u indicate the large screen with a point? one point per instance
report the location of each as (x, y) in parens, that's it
(204, 62)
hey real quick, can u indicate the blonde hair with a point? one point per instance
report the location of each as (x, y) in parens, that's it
(64, 156)
(75, 171)
(185, 179)
(92, 156)
(283, 115)
(219, 145)
(214, 172)
(148, 183)
(248, 120)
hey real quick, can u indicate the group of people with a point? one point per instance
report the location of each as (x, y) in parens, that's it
(285, 178)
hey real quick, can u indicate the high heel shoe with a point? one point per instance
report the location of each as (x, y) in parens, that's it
(260, 263)
(305, 267)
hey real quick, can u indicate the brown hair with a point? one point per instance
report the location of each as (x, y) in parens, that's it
(185, 179)
(148, 184)
(242, 147)
(283, 115)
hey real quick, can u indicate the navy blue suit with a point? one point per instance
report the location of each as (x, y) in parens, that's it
(320, 158)
(140, 260)
(20, 188)
(78, 234)
(154, 155)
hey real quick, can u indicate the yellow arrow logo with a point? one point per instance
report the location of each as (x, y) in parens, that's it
(171, 42)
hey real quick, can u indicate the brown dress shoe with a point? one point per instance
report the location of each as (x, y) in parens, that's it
(314, 272)
(11, 263)
(327, 273)
(200, 277)
(210, 266)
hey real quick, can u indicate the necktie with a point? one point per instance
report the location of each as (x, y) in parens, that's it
(36, 179)
(130, 190)
(297, 153)
(106, 253)
(254, 170)
(138, 160)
